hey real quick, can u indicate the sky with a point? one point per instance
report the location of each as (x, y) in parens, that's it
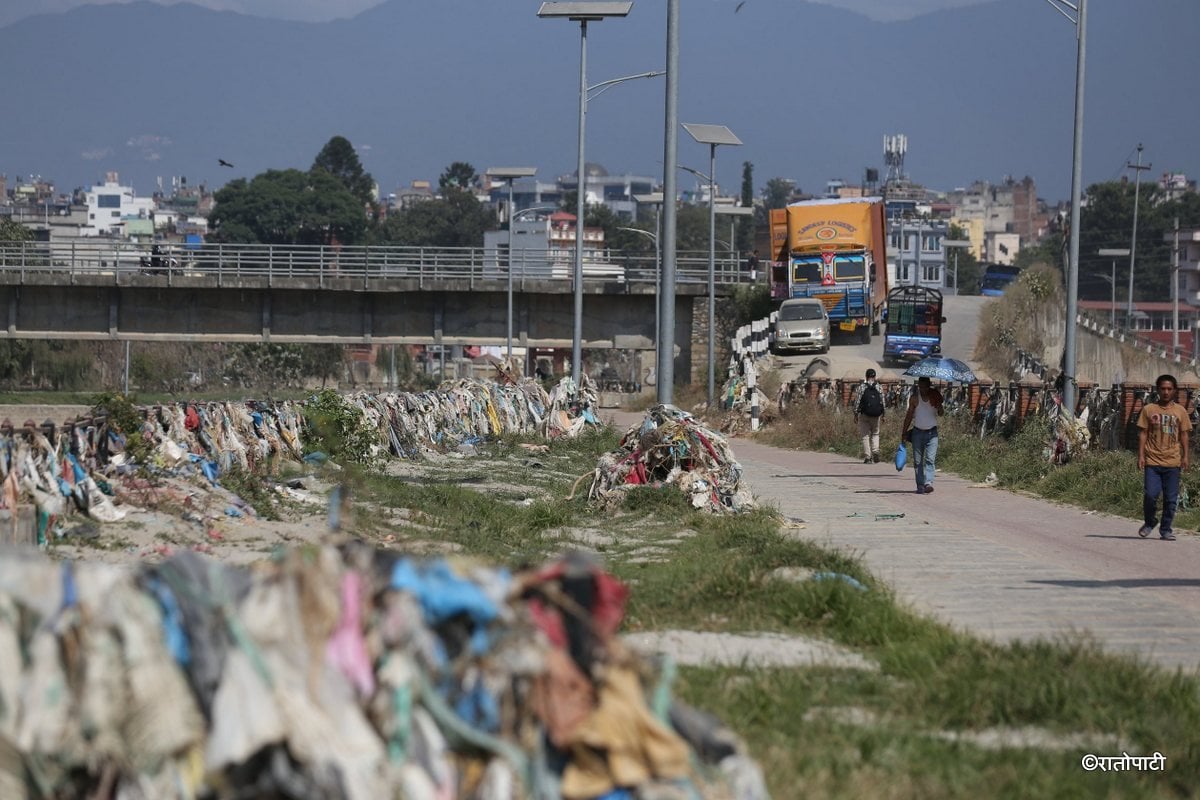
(326, 10)
(983, 88)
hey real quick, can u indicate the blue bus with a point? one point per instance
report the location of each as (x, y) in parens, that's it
(996, 279)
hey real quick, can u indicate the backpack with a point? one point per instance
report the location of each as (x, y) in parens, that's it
(871, 402)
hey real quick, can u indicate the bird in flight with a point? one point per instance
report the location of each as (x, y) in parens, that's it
(739, 6)
(224, 163)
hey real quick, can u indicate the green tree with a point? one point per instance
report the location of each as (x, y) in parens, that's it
(778, 192)
(339, 159)
(459, 175)
(288, 207)
(1050, 251)
(456, 220)
(14, 231)
(745, 225)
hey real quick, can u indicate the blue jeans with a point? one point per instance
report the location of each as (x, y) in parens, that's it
(1164, 481)
(925, 444)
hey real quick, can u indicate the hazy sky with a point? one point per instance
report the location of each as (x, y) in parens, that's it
(983, 90)
(325, 10)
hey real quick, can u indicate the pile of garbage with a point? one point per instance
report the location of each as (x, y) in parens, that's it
(344, 673)
(572, 407)
(467, 412)
(85, 464)
(670, 446)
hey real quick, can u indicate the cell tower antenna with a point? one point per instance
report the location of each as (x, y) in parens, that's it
(894, 148)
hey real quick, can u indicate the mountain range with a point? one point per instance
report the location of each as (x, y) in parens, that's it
(982, 91)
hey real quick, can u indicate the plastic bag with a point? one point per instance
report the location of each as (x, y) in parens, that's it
(901, 457)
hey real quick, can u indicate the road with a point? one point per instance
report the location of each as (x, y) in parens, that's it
(852, 359)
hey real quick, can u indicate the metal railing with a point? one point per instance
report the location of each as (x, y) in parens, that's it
(1134, 338)
(432, 265)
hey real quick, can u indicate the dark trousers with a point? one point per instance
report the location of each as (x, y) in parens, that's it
(1160, 481)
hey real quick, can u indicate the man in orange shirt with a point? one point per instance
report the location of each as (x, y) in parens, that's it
(1163, 428)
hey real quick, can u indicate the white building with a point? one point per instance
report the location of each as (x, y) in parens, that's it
(110, 204)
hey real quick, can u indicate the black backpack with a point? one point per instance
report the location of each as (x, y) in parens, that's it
(871, 402)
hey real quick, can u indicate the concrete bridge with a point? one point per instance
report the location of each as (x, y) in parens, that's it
(104, 289)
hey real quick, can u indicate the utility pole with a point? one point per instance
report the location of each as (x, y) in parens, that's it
(1137, 185)
(1175, 292)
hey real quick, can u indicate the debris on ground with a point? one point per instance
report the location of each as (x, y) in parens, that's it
(346, 673)
(572, 407)
(94, 467)
(671, 447)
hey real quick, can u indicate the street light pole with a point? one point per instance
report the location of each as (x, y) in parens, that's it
(955, 244)
(1114, 253)
(510, 174)
(581, 12)
(1080, 21)
(665, 366)
(1137, 191)
(712, 135)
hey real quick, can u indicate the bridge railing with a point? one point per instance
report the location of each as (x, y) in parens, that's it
(113, 257)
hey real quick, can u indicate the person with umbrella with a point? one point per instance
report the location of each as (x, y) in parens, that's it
(921, 428)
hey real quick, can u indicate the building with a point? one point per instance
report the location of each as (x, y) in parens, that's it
(1174, 185)
(986, 211)
(916, 255)
(110, 205)
(543, 246)
(1152, 321)
(614, 191)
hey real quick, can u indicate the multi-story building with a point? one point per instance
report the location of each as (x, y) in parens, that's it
(615, 191)
(110, 204)
(916, 255)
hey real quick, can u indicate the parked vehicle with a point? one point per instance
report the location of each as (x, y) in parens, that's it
(914, 324)
(997, 278)
(802, 325)
(833, 250)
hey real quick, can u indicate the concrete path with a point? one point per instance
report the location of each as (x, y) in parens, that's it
(997, 564)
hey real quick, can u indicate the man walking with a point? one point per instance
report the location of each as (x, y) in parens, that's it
(1163, 428)
(868, 413)
(920, 427)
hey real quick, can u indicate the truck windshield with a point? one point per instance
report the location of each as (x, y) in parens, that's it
(806, 271)
(800, 311)
(849, 269)
(809, 270)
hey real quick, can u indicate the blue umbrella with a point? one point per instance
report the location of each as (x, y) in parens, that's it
(943, 369)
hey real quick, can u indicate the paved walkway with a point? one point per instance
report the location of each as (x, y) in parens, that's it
(997, 564)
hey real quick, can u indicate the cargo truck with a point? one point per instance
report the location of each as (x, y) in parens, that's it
(833, 250)
(914, 325)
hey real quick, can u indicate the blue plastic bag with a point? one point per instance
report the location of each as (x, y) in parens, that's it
(901, 457)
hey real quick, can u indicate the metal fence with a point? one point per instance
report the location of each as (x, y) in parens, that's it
(425, 264)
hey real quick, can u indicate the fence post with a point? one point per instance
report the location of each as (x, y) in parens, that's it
(752, 385)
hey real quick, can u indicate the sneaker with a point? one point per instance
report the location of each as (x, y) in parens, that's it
(929, 488)
(1144, 531)
(1168, 536)
(867, 460)
(921, 490)
(875, 456)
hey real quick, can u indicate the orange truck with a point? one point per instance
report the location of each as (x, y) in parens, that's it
(833, 250)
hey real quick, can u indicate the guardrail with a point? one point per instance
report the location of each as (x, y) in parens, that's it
(431, 265)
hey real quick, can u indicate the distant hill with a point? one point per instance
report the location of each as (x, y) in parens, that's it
(982, 91)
